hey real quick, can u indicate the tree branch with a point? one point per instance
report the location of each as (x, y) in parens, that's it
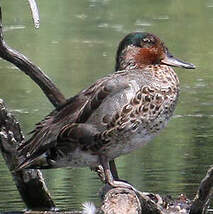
(30, 183)
(35, 12)
(34, 72)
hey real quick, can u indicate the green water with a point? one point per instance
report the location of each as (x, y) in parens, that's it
(76, 45)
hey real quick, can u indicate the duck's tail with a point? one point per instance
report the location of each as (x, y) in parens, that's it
(40, 162)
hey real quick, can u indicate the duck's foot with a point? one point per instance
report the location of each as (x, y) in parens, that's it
(110, 179)
(100, 171)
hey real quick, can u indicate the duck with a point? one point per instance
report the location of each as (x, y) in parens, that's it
(116, 115)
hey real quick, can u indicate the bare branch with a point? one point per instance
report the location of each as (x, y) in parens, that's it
(35, 13)
(1, 30)
(30, 183)
(34, 72)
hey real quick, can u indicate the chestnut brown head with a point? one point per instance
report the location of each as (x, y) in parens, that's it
(140, 49)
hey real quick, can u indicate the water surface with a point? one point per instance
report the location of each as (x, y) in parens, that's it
(76, 45)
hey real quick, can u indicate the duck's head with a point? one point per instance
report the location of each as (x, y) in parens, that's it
(140, 49)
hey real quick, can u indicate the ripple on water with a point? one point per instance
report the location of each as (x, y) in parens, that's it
(193, 115)
(9, 197)
(163, 17)
(20, 111)
(142, 23)
(72, 187)
(116, 27)
(13, 27)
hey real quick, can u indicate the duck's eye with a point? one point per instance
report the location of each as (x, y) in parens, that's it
(148, 40)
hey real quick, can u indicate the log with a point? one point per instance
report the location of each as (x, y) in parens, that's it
(123, 200)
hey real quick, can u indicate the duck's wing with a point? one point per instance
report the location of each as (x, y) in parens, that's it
(77, 110)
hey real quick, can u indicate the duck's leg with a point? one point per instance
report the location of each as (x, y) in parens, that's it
(109, 177)
(113, 169)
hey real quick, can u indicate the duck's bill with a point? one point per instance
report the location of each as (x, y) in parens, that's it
(172, 61)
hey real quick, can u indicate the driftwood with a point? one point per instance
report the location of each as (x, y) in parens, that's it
(30, 183)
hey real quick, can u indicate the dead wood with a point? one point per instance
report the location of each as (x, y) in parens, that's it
(30, 183)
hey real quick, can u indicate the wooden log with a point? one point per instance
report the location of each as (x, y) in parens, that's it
(123, 200)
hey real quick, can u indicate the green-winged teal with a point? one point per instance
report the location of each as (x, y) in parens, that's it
(119, 113)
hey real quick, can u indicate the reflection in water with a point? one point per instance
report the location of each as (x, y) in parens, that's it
(76, 45)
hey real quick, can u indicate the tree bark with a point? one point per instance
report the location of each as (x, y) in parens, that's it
(30, 183)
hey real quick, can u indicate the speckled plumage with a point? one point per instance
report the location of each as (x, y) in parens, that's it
(117, 114)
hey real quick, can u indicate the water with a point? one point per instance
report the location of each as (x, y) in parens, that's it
(76, 45)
